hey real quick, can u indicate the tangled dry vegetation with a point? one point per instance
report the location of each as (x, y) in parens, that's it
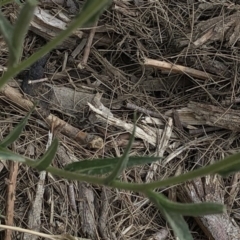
(176, 64)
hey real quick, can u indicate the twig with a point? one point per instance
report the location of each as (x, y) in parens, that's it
(81, 137)
(203, 130)
(34, 220)
(11, 197)
(79, 48)
(102, 222)
(37, 80)
(162, 146)
(87, 211)
(170, 67)
(89, 45)
(143, 110)
(177, 121)
(144, 132)
(234, 189)
(71, 195)
(44, 235)
(228, 101)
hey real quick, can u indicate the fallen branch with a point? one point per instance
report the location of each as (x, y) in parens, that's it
(76, 134)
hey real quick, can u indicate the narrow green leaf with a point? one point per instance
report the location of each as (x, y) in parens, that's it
(220, 167)
(122, 162)
(81, 20)
(103, 166)
(4, 2)
(189, 209)
(178, 224)
(9, 155)
(20, 30)
(176, 220)
(232, 165)
(16, 132)
(6, 30)
(47, 158)
(88, 7)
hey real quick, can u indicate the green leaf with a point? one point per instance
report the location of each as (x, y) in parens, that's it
(16, 132)
(9, 155)
(4, 2)
(88, 7)
(122, 162)
(230, 165)
(189, 209)
(95, 9)
(6, 30)
(176, 220)
(103, 166)
(47, 158)
(20, 30)
(178, 224)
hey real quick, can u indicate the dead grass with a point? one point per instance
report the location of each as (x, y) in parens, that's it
(201, 36)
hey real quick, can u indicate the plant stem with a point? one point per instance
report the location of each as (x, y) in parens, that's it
(83, 18)
(211, 169)
(75, 176)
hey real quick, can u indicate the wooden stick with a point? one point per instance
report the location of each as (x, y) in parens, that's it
(11, 198)
(81, 137)
(175, 68)
(89, 44)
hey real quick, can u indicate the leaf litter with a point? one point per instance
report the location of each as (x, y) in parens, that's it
(176, 64)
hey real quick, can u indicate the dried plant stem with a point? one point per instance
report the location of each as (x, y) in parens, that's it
(175, 68)
(89, 44)
(67, 129)
(11, 197)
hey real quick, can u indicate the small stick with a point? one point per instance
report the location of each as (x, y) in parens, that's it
(81, 137)
(11, 197)
(177, 121)
(65, 61)
(175, 68)
(228, 101)
(143, 110)
(103, 215)
(72, 198)
(89, 44)
(37, 80)
(44, 235)
(34, 218)
(202, 131)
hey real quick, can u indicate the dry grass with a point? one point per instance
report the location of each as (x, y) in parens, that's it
(162, 30)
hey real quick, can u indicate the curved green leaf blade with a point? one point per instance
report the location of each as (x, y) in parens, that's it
(20, 30)
(47, 158)
(81, 20)
(4, 2)
(176, 220)
(9, 155)
(122, 162)
(189, 209)
(178, 224)
(88, 7)
(6, 30)
(16, 132)
(103, 166)
(232, 165)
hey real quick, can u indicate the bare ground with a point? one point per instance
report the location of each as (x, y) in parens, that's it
(176, 64)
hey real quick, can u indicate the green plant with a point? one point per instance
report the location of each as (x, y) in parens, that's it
(89, 171)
